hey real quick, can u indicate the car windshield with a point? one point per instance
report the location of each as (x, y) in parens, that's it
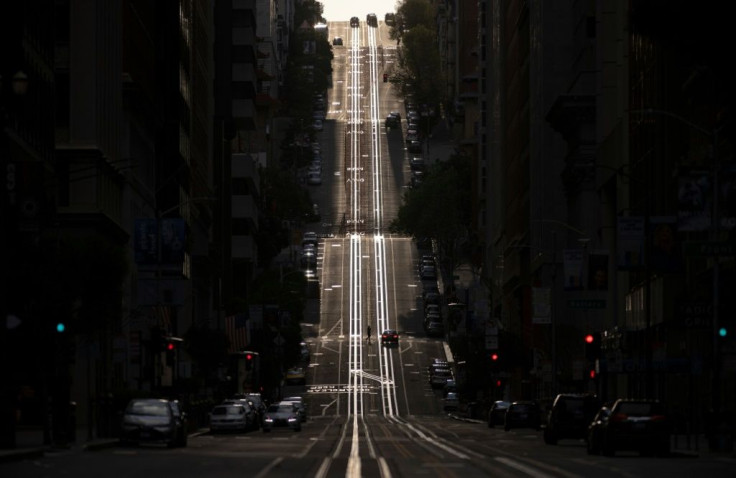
(158, 409)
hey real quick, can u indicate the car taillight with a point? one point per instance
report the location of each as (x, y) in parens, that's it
(619, 417)
(396, 336)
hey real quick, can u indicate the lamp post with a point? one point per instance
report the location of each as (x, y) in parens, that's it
(712, 134)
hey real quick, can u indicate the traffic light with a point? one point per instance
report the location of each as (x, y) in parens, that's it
(722, 332)
(61, 327)
(591, 373)
(593, 346)
(249, 361)
(170, 347)
(494, 357)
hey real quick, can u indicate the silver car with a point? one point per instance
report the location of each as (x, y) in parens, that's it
(282, 415)
(232, 417)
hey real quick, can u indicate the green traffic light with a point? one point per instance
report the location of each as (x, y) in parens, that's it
(722, 332)
(60, 327)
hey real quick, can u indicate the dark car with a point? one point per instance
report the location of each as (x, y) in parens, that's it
(390, 337)
(522, 414)
(570, 416)
(372, 20)
(154, 420)
(497, 413)
(337, 41)
(416, 163)
(638, 425)
(282, 414)
(354, 22)
(435, 328)
(415, 147)
(393, 120)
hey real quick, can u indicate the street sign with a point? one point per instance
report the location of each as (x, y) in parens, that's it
(586, 303)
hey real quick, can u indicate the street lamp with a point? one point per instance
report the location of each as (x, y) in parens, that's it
(712, 134)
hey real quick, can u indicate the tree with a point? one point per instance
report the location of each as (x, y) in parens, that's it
(445, 193)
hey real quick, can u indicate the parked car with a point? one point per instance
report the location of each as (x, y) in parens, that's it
(154, 420)
(417, 163)
(337, 41)
(390, 337)
(522, 414)
(638, 425)
(393, 121)
(439, 378)
(570, 416)
(428, 273)
(258, 403)
(233, 417)
(435, 328)
(497, 413)
(304, 352)
(354, 22)
(314, 178)
(450, 402)
(296, 376)
(310, 238)
(282, 414)
(372, 20)
(415, 147)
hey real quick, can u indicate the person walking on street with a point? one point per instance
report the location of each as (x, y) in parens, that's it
(369, 334)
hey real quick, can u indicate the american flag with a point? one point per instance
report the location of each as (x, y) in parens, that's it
(237, 332)
(162, 314)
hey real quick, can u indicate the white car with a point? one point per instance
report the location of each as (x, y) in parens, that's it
(232, 417)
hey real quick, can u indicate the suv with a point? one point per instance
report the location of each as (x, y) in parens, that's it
(570, 416)
(372, 20)
(154, 420)
(354, 22)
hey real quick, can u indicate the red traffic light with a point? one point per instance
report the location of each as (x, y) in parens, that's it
(589, 339)
(591, 374)
(248, 356)
(170, 346)
(494, 357)
(498, 383)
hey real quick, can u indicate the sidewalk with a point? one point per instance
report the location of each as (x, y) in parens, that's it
(29, 444)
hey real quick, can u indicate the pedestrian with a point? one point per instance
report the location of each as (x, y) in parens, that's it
(369, 333)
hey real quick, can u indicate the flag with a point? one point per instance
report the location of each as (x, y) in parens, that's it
(162, 316)
(236, 328)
